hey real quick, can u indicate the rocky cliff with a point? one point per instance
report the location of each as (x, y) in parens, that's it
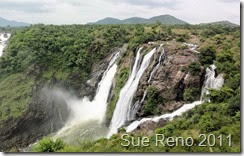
(171, 79)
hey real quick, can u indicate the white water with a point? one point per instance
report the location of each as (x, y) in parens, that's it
(86, 114)
(158, 65)
(192, 47)
(3, 42)
(210, 82)
(122, 110)
(138, 104)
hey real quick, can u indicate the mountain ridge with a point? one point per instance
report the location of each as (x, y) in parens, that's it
(223, 23)
(12, 23)
(164, 19)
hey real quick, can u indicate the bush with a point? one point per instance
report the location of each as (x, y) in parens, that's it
(207, 55)
(220, 95)
(153, 99)
(190, 94)
(194, 68)
(225, 61)
(166, 130)
(48, 145)
(181, 39)
(234, 105)
(208, 123)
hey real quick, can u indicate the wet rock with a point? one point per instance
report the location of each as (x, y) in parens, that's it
(148, 127)
(171, 79)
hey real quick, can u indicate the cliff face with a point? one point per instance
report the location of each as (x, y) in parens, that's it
(171, 79)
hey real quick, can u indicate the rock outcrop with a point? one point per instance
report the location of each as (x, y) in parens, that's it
(171, 79)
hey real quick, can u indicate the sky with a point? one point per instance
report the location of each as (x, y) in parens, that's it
(84, 11)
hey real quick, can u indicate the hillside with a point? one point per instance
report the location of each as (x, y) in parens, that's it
(221, 23)
(47, 71)
(5, 23)
(164, 19)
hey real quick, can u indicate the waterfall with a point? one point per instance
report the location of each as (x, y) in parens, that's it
(122, 109)
(162, 56)
(3, 40)
(86, 114)
(210, 82)
(138, 104)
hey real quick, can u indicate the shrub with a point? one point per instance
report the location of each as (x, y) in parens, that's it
(166, 130)
(225, 61)
(153, 99)
(181, 39)
(220, 95)
(234, 105)
(190, 94)
(194, 68)
(48, 145)
(208, 123)
(207, 55)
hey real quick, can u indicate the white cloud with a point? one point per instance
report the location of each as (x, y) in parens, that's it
(77, 11)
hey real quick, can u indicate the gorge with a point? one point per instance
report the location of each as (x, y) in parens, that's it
(92, 84)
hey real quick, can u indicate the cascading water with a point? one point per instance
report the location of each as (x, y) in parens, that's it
(87, 116)
(122, 110)
(3, 40)
(210, 82)
(162, 55)
(138, 104)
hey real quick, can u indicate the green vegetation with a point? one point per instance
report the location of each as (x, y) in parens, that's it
(194, 68)
(191, 94)
(48, 145)
(207, 55)
(221, 116)
(163, 19)
(14, 94)
(42, 54)
(153, 99)
(182, 38)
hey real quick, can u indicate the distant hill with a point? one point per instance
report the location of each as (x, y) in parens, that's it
(164, 19)
(5, 23)
(222, 23)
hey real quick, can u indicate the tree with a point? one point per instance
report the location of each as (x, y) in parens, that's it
(207, 55)
(194, 68)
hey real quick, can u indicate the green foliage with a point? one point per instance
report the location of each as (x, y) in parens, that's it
(15, 93)
(234, 104)
(182, 38)
(167, 130)
(67, 53)
(190, 94)
(225, 61)
(208, 124)
(48, 145)
(221, 95)
(194, 68)
(153, 99)
(207, 55)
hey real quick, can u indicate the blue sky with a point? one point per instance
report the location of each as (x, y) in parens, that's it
(83, 11)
